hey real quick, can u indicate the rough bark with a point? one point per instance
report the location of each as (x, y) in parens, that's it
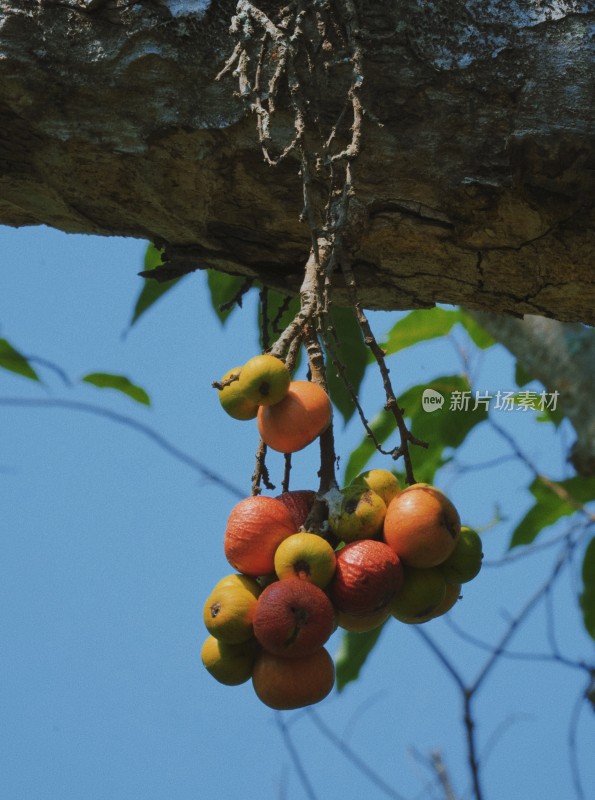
(475, 181)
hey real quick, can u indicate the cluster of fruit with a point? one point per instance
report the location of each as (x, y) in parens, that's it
(387, 552)
(290, 414)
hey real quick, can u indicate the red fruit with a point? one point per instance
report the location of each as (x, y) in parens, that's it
(299, 502)
(367, 576)
(255, 528)
(293, 618)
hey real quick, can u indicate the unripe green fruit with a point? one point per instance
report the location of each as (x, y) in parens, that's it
(420, 596)
(264, 380)
(464, 563)
(233, 398)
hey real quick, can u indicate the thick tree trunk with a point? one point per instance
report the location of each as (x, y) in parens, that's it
(474, 185)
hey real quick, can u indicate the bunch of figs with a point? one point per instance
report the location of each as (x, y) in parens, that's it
(385, 551)
(269, 621)
(290, 414)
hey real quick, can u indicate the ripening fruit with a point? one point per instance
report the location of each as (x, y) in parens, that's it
(381, 481)
(293, 618)
(230, 664)
(286, 683)
(255, 528)
(365, 623)
(307, 556)
(229, 609)
(367, 576)
(452, 594)
(233, 399)
(293, 423)
(359, 514)
(422, 526)
(299, 502)
(422, 592)
(464, 563)
(264, 380)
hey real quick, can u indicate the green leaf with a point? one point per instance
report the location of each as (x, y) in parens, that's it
(480, 337)
(587, 598)
(352, 653)
(419, 326)
(152, 290)
(104, 380)
(12, 360)
(553, 415)
(350, 349)
(549, 507)
(444, 428)
(521, 376)
(224, 288)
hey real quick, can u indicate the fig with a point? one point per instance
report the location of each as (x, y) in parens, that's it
(293, 618)
(367, 575)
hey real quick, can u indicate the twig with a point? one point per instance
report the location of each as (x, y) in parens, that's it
(130, 422)
(353, 757)
(302, 774)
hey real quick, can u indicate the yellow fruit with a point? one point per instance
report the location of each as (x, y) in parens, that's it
(230, 664)
(359, 514)
(264, 380)
(233, 398)
(229, 610)
(307, 556)
(381, 481)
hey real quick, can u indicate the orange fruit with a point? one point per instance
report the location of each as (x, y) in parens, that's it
(292, 424)
(286, 683)
(422, 526)
(255, 528)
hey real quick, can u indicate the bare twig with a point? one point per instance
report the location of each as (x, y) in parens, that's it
(130, 422)
(295, 757)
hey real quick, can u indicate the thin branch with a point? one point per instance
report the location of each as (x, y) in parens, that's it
(353, 757)
(130, 422)
(572, 746)
(295, 757)
(469, 721)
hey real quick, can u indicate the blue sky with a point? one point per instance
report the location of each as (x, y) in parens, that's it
(111, 545)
